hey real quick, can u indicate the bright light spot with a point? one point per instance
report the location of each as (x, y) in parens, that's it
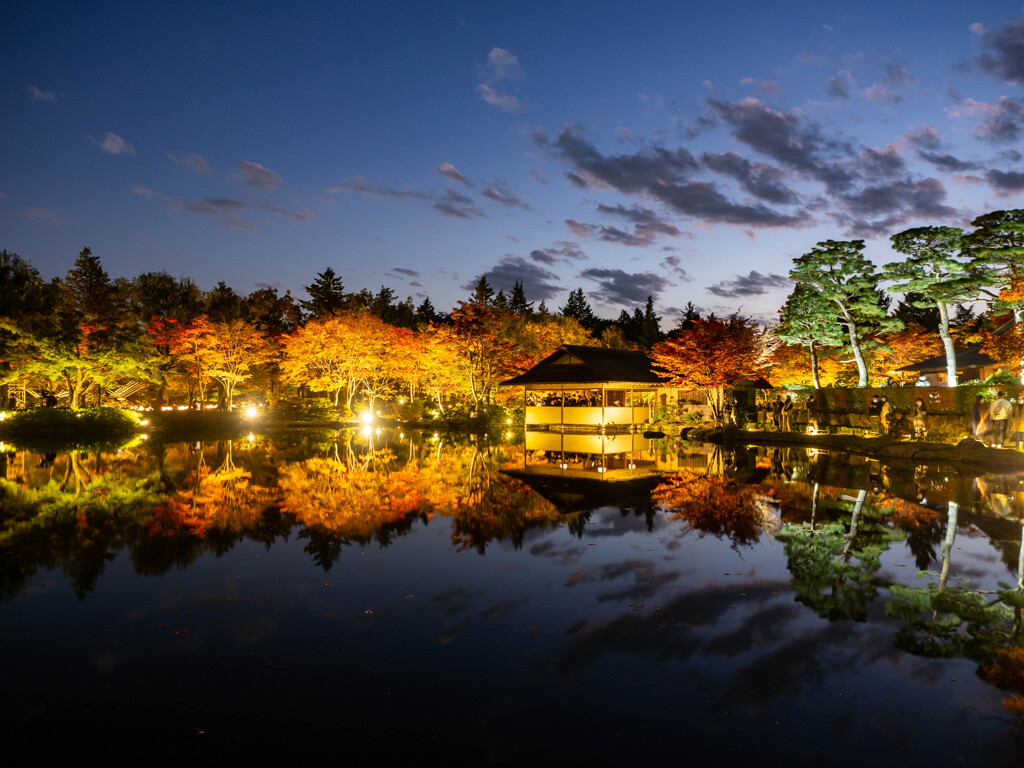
(508, 421)
(366, 417)
(144, 422)
(401, 401)
(367, 431)
(180, 408)
(401, 435)
(250, 411)
(252, 437)
(377, 431)
(600, 469)
(3, 416)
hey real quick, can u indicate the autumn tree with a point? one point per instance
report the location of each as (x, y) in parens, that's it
(713, 355)
(808, 320)
(906, 347)
(348, 350)
(485, 354)
(839, 272)
(932, 269)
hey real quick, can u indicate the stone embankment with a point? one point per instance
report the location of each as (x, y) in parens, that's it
(968, 453)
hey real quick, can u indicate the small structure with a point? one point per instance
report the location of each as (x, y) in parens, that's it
(589, 388)
(971, 364)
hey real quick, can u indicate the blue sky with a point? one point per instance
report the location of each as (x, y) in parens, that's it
(684, 152)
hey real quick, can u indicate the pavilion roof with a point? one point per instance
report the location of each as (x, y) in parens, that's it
(574, 364)
(968, 357)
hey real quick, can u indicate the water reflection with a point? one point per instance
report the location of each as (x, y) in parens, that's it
(825, 554)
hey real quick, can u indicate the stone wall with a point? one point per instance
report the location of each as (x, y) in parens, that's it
(948, 408)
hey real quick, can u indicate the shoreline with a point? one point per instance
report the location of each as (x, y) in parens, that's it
(968, 452)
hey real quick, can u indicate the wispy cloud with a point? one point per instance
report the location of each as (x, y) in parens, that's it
(502, 66)
(196, 162)
(450, 205)
(499, 192)
(255, 175)
(228, 209)
(115, 145)
(538, 283)
(44, 215)
(752, 284)
(37, 94)
(617, 287)
(449, 171)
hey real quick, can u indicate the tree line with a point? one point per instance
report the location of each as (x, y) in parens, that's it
(158, 339)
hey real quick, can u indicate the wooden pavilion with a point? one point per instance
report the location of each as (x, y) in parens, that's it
(589, 388)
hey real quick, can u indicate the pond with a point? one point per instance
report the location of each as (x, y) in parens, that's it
(388, 596)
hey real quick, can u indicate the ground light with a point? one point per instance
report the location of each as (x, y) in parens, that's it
(251, 412)
(366, 417)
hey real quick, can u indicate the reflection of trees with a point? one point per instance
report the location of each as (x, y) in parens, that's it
(946, 621)
(833, 564)
(714, 505)
(74, 527)
(372, 496)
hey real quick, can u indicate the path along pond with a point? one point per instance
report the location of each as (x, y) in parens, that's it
(382, 596)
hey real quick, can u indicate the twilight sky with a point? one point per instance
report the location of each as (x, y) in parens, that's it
(683, 150)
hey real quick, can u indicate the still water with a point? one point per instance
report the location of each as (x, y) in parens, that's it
(383, 597)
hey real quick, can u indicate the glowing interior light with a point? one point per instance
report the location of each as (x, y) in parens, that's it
(366, 417)
(250, 411)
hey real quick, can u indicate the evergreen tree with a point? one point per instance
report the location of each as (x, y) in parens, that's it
(483, 294)
(425, 313)
(222, 304)
(934, 278)
(809, 320)
(578, 308)
(517, 303)
(326, 295)
(90, 293)
(842, 275)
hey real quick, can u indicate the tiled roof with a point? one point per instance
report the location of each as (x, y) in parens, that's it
(591, 365)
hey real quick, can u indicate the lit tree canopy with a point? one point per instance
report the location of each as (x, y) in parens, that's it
(838, 270)
(713, 355)
(933, 270)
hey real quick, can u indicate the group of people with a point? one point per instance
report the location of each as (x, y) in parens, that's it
(570, 400)
(881, 409)
(999, 421)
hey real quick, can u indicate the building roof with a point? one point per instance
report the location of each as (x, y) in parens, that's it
(573, 364)
(968, 357)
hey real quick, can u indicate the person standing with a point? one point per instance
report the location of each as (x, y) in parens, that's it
(920, 420)
(1017, 423)
(977, 416)
(885, 415)
(787, 409)
(777, 412)
(999, 413)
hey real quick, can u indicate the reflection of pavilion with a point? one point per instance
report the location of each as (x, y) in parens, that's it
(606, 457)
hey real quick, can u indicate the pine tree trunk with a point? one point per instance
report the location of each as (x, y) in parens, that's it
(947, 344)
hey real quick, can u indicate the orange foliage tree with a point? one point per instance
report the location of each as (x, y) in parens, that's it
(911, 345)
(350, 351)
(713, 355)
